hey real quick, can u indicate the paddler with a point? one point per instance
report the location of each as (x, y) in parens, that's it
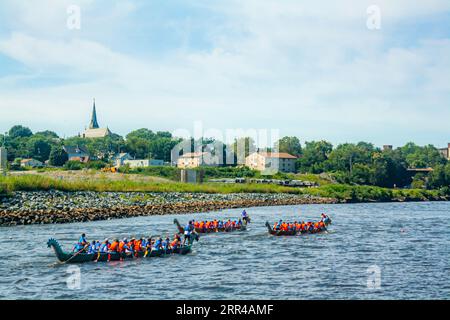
(105, 246)
(176, 243)
(187, 231)
(92, 248)
(158, 244)
(123, 246)
(166, 243)
(114, 247)
(81, 244)
(245, 216)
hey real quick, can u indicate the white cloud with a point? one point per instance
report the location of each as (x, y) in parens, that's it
(310, 69)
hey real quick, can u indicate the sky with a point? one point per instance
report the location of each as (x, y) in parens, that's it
(312, 69)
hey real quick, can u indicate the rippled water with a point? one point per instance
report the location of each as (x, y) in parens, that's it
(409, 243)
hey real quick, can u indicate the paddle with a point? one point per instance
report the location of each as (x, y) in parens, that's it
(76, 254)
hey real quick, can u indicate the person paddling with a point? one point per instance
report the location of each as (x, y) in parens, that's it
(245, 216)
(176, 243)
(82, 244)
(105, 246)
(187, 232)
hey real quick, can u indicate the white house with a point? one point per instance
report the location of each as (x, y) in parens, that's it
(271, 161)
(31, 163)
(120, 158)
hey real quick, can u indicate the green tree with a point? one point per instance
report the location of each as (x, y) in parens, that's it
(20, 132)
(242, 148)
(58, 157)
(289, 145)
(38, 148)
(47, 134)
(421, 157)
(314, 156)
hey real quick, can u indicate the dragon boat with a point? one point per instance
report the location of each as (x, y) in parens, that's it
(280, 233)
(77, 257)
(243, 227)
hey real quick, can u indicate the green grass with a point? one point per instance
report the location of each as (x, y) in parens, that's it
(36, 183)
(311, 178)
(369, 193)
(338, 191)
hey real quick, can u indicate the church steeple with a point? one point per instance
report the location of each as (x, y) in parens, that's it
(94, 123)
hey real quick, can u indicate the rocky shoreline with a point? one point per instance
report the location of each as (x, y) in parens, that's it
(26, 208)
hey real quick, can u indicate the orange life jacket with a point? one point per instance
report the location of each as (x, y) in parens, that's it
(114, 246)
(121, 246)
(137, 246)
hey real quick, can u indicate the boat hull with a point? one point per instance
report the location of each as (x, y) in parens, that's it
(212, 230)
(72, 258)
(280, 233)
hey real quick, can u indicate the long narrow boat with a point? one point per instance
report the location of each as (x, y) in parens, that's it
(73, 257)
(273, 232)
(214, 230)
(280, 232)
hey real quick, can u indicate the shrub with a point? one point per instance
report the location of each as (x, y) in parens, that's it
(74, 165)
(97, 165)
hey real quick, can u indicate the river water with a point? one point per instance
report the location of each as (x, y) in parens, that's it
(373, 251)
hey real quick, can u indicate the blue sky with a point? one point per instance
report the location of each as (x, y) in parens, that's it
(308, 68)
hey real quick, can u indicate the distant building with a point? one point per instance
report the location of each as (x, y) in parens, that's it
(446, 152)
(270, 161)
(77, 153)
(420, 170)
(197, 159)
(388, 147)
(123, 159)
(120, 158)
(31, 163)
(94, 130)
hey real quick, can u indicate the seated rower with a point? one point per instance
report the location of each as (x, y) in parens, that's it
(82, 244)
(278, 226)
(166, 243)
(124, 247)
(114, 247)
(92, 248)
(176, 243)
(239, 224)
(131, 244)
(220, 225)
(138, 245)
(322, 226)
(105, 246)
(158, 244)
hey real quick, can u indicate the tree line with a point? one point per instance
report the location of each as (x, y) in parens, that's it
(351, 163)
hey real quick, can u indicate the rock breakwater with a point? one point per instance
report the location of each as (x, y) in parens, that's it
(25, 208)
